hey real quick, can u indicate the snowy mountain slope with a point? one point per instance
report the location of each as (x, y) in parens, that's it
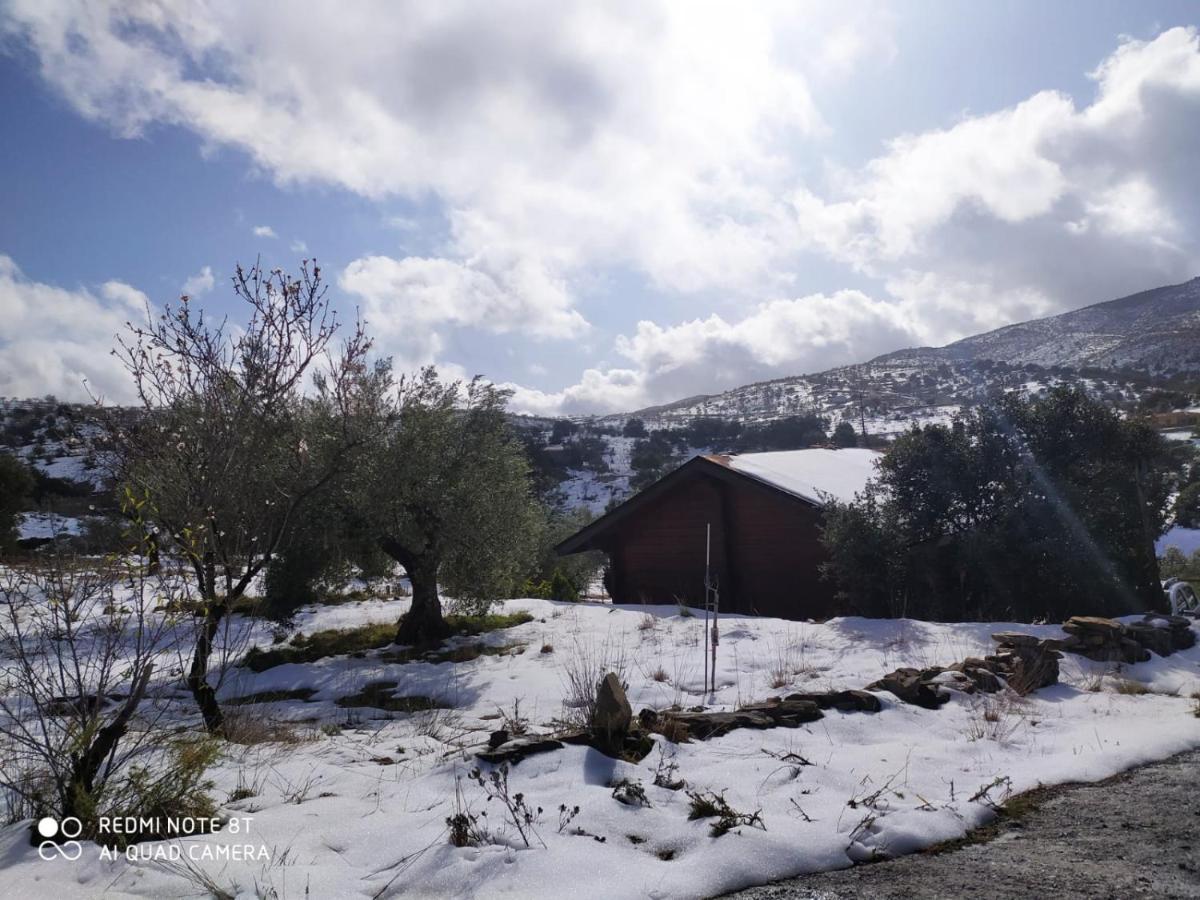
(1155, 331)
(885, 395)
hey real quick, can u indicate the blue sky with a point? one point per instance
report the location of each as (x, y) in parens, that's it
(603, 207)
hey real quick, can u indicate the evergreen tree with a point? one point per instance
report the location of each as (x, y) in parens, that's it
(1187, 506)
(634, 428)
(448, 495)
(1022, 508)
(844, 435)
(16, 487)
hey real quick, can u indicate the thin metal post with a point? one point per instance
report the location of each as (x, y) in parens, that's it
(707, 547)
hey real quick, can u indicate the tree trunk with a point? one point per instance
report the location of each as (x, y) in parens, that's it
(423, 623)
(1150, 586)
(86, 768)
(197, 679)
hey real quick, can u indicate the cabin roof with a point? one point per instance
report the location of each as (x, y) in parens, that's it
(812, 477)
(816, 475)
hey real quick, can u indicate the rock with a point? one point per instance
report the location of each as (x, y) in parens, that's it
(1070, 642)
(982, 677)
(910, 686)
(787, 713)
(1154, 639)
(1179, 627)
(704, 726)
(843, 701)
(613, 714)
(1093, 623)
(1015, 638)
(517, 749)
(496, 738)
(856, 701)
(1107, 640)
(1032, 668)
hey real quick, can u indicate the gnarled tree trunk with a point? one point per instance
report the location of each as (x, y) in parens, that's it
(423, 623)
(197, 678)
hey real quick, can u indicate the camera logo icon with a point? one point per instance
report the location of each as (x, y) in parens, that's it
(50, 828)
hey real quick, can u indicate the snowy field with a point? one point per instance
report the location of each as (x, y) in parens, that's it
(358, 807)
(46, 525)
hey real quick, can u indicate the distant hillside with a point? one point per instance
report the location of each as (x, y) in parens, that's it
(1156, 331)
(1120, 349)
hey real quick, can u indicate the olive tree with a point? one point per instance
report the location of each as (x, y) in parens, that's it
(240, 430)
(448, 494)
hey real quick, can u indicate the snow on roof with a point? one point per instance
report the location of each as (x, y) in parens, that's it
(816, 475)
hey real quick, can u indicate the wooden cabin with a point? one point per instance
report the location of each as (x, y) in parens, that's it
(764, 512)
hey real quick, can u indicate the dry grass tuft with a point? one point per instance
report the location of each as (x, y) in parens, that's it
(250, 728)
(1130, 687)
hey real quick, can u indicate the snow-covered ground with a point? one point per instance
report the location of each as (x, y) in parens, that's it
(1179, 434)
(361, 811)
(46, 525)
(595, 491)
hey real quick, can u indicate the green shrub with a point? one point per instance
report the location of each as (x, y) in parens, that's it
(174, 788)
(562, 587)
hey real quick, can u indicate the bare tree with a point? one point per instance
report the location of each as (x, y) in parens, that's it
(79, 643)
(240, 430)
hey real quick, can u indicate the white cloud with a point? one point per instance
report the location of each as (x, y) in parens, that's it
(59, 341)
(408, 301)
(298, 246)
(657, 136)
(200, 283)
(264, 231)
(1071, 205)
(707, 355)
(670, 140)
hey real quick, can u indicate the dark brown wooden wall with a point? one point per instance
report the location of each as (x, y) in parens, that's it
(778, 552)
(658, 554)
(765, 550)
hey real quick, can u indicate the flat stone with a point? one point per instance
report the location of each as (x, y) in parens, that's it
(1016, 638)
(844, 701)
(910, 686)
(517, 749)
(1094, 623)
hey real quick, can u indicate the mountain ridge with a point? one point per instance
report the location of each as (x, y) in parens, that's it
(1112, 345)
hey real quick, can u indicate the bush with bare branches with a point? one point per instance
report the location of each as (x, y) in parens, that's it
(230, 444)
(80, 727)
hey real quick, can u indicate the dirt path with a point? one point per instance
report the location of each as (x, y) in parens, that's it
(1135, 835)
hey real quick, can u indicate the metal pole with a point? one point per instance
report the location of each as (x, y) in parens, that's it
(716, 605)
(707, 546)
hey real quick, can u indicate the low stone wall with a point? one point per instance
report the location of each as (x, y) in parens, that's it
(1022, 662)
(1107, 640)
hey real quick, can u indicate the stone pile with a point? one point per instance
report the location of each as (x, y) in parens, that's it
(1026, 662)
(775, 712)
(1023, 662)
(1107, 640)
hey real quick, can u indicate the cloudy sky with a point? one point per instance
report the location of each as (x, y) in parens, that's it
(602, 205)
